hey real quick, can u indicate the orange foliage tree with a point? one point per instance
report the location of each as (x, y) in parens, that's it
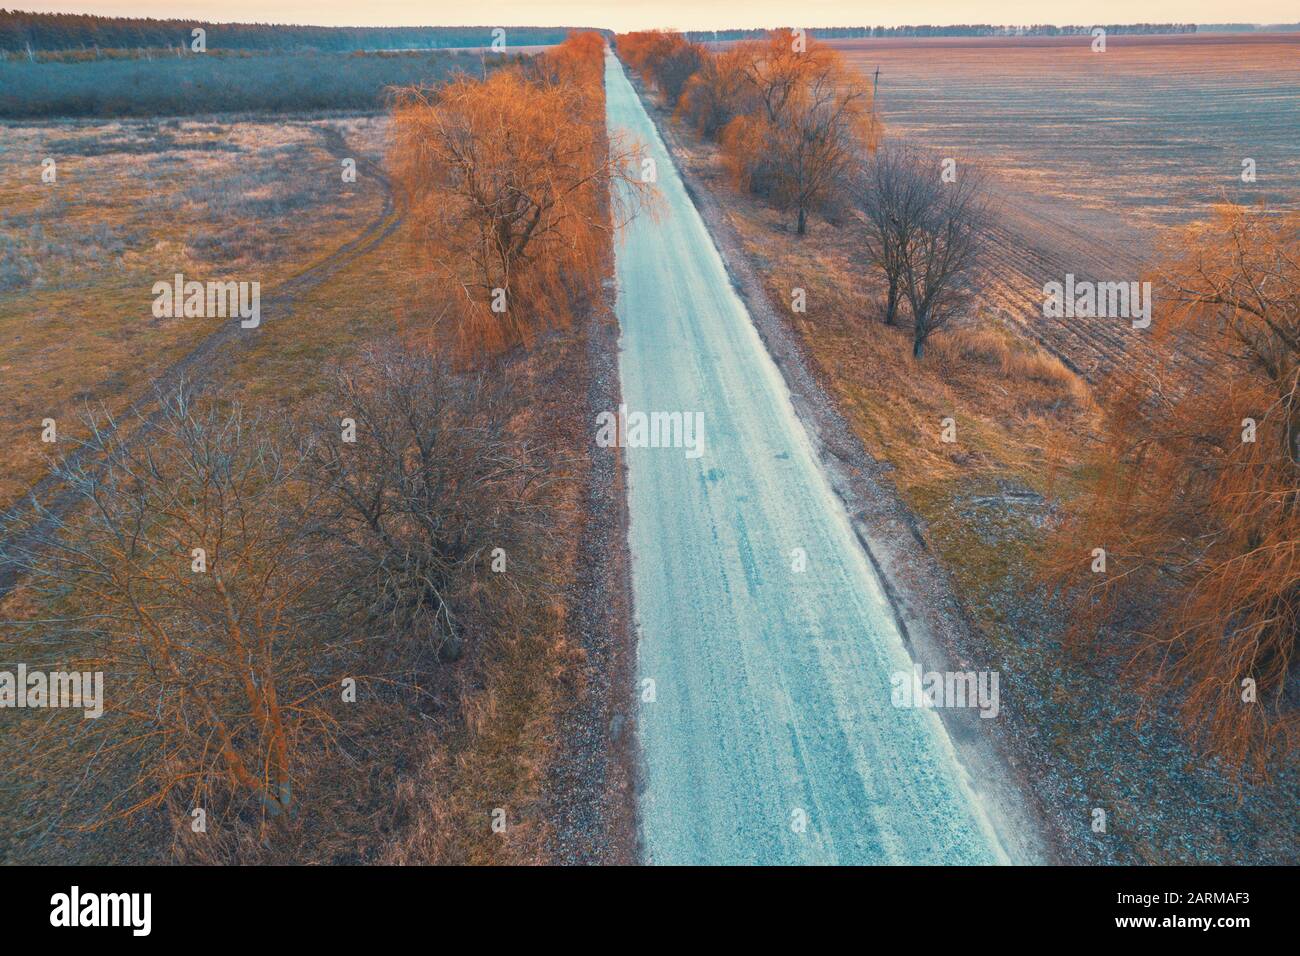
(791, 116)
(508, 181)
(716, 93)
(815, 121)
(1196, 494)
(666, 59)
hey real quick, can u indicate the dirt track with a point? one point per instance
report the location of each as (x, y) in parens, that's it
(197, 366)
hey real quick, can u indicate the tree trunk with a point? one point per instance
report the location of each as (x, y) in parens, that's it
(919, 333)
(891, 306)
(803, 222)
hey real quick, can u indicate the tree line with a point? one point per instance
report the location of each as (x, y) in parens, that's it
(219, 82)
(797, 124)
(277, 601)
(1180, 548)
(791, 115)
(951, 30)
(21, 32)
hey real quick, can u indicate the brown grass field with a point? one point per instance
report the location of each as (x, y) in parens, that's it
(1154, 128)
(136, 201)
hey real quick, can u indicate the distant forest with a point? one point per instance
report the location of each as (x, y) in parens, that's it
(242, 82)
(954, 30)
(1248, 28)
(47, 32)
(38, 32)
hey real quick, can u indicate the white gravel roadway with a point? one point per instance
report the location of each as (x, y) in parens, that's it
(772, 694)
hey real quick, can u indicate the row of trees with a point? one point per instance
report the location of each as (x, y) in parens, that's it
(21, 31)
(180, 86)
(508, 182)
(1183, 552)
(950, 30)
(792, 117)
(797, 124)
(1196, 494)
(255, 591)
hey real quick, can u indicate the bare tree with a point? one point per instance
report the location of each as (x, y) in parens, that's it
(184, 575)
(887, 191)
(676, 68)
(225, 575)
(1194, 491)
(813, 119)
(508, 180)
(432, 485)
(827, 124)
(924, 230)
(942, 250)
(777, 66)
(717, 93)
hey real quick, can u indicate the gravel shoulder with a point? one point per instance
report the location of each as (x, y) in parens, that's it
(592, 783)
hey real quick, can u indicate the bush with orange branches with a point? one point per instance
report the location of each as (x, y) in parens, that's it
(716, 93)
(667, 60)
(1195, 500)
(814, 122)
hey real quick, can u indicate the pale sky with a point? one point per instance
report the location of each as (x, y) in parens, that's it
(683, 14)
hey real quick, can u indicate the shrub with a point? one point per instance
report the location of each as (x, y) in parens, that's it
(1195, 495)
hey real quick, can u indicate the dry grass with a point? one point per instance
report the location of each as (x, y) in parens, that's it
(422, 781)
(135, 203)
(491, 756)
(1011, 359)
(1011, 399)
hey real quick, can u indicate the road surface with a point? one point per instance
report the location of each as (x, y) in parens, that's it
(771, 736)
